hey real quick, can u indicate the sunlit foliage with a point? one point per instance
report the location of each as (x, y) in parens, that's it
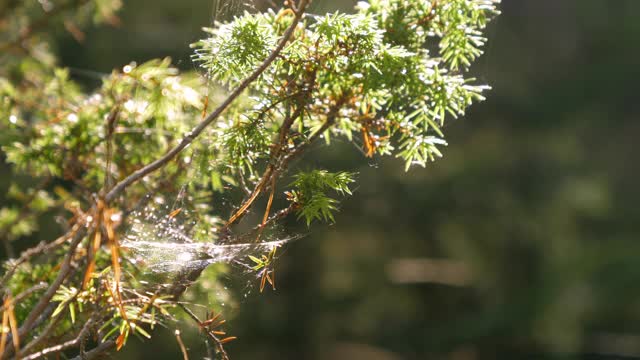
(386, 78)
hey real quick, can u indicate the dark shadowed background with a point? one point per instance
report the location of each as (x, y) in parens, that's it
(522, 242)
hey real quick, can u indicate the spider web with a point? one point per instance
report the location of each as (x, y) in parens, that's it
(158, 242)
(224, 10)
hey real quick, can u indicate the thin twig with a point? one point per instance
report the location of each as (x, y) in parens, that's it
(146, 198)
(97, 351)
(212, 336)
(275, 168)
(330, 121)
(243, 184)
(250, 235)
(191, 136)
(271, 172)
(41, 248)
(276, 217)
(267, 211)
(42, 336)
(110, 125)
(26, 293)
(185, 354)
(68, 344)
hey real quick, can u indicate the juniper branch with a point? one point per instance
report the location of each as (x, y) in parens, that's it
(193, 134)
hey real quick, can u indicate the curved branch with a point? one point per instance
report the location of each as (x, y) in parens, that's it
(188, 139)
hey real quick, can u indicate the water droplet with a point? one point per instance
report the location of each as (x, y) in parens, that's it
(116, 217)
(73, 118)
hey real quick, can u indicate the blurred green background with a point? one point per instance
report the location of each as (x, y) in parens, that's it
(521, 243)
